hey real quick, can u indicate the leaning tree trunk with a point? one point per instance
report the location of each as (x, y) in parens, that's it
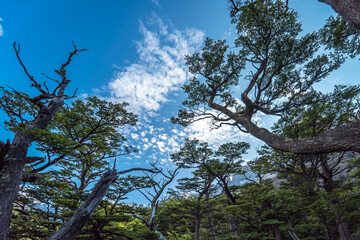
(345, 137)
(78, 220)
(348, 9)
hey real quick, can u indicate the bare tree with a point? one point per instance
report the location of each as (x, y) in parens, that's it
(11, 166)
(153, 196)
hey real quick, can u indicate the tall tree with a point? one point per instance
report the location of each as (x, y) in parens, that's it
(222, 165)
(200, 186)
(348, 9)
(41, 109)
(318, 174)
(158, 187)
(78, 140)
(281, 68)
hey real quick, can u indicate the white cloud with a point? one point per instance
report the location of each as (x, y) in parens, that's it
(204, 131)
(83, 96)
(153, 80)
(135, 136)
(155, 142)
(156, 2)
(163, 136)
(1, 28)
(161, 146)
(160, 69)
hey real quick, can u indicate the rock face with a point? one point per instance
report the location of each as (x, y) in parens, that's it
(333, 167)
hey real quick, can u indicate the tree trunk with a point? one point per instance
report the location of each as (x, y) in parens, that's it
(11, 171)
(161, 236)
(277, 233)
(11, 166)
(342, 138)
(309, 229)
(234, 222)
(212, 227)
(77, 221)
(348, 9)
(327, 232)
(291, 232)
(234, 226)
(10, 180)
(327, 175)
(344, 231)
(197, 223)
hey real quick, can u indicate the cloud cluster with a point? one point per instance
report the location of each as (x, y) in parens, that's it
(1, 28)
(204, 131)
(156, 2)
(156, 143)
(160, 69)
(152, 81)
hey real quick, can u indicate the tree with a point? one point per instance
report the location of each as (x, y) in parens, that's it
(188, 212)
(78, 140)
(281, 68)
(176, 217)
(201, 188)
(312, 197)
(347, 9)
(43, 206)
(113, 219)
(221, 165)
(316, 176)
(82, 214)
(43, 108)
(158, 187)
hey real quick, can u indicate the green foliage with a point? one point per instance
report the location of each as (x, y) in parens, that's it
(88, 127)
(326, 111)
(275, 66)
(18, 108)
(339, 35)
(279, 63)
(79, 142)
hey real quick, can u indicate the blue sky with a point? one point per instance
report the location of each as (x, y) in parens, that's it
(136, 55)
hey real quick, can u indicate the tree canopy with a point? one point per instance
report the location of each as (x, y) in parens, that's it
(275, 67)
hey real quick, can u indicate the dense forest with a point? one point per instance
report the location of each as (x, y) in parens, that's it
(304, 184)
